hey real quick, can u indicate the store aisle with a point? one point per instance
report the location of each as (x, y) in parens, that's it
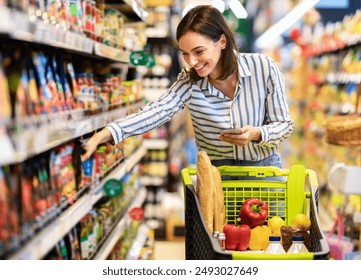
(169, 250)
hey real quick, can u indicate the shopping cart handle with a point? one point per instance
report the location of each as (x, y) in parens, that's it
(255, 171)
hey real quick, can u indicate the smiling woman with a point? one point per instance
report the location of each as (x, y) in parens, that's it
(222, 89)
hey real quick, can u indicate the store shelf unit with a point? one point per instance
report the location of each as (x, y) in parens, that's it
(46, 132)
(18, 25)
(39, 246)
(124, 222)
(324, 78)
(23, 137)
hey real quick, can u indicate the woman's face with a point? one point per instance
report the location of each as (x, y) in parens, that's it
(201, 53)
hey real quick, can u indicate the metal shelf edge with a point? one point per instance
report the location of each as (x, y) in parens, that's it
(109, 244)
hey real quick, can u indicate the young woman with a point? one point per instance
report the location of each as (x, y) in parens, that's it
(222, 89)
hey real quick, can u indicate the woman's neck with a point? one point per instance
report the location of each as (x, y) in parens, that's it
(227, 86)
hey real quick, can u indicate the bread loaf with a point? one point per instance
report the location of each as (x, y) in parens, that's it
(219, 212)
(205, 188)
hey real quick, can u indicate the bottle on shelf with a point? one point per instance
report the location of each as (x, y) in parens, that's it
(297, 246)
(275, 246)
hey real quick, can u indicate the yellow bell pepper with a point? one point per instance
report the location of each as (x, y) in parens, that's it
(259, 238)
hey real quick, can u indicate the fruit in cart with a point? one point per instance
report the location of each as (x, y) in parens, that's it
(275, 224)
(237, 237)
(301, 221)
(259, 238)
(253, 212)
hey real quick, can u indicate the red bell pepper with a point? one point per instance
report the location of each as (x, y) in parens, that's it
(237, 237)
(253, 212)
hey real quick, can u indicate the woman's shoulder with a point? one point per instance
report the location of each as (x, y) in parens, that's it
(252, 56)
(183, 81)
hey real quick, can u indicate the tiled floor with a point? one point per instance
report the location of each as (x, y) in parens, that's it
(169, 250)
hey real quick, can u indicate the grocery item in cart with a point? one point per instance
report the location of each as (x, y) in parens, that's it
(292, 196)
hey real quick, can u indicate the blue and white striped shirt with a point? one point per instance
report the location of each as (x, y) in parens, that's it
(259, 101)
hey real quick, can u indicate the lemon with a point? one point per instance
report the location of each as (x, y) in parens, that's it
(301, 221)
(275, 224)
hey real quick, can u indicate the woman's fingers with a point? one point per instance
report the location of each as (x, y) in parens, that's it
(247, 133)
(99, 137)
(240, 140)
(89, 148)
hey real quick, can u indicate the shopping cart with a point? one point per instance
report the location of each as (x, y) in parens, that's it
(285, 199)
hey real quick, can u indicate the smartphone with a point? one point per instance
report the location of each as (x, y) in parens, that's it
(231, 131)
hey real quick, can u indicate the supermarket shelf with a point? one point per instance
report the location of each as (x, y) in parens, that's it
(42, 243)
(153, 180)
(113, 238)
(343, 78)
(138, 243)
(326, 221)
(111, 53)
(54, 131)
(155, 144)
(119, 172)
(19, 25)
(178, 122)
(132, 9)
(152, 94)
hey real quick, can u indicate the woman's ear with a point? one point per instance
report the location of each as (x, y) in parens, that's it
(223, 41)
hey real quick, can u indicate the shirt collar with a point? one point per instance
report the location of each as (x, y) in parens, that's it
(243, 69)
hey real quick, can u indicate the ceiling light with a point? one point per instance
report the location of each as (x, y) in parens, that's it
(237, 8)
(276, 30)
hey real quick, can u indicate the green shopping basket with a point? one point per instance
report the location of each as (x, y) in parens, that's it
(285, 199)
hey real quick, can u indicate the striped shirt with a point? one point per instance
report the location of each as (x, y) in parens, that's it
(259, 101)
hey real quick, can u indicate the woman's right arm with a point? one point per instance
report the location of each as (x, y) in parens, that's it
(150, 116)
(100, 137)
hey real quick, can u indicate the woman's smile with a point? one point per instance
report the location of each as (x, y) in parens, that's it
(201, 53)
(200, 67)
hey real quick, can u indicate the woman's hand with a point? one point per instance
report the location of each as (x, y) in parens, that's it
(98, 138)
(246, 134)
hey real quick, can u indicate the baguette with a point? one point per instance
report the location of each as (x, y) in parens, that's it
(219, 212)
(205, 188)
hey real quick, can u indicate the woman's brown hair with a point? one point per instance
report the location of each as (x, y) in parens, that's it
(209, 21)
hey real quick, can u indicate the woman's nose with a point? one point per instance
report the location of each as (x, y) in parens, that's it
(192, 61)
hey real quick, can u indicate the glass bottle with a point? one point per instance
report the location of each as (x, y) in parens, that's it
(297, 245)
(275, 246)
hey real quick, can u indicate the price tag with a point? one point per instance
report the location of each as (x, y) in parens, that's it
(136, 213)
(139, 58)
(113, 187)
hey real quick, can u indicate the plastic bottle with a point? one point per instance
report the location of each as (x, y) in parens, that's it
(297, 245)
(275, 246)
(222, 240)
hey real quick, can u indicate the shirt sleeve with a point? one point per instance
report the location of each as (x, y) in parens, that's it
(154, 113)
(278, 124)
